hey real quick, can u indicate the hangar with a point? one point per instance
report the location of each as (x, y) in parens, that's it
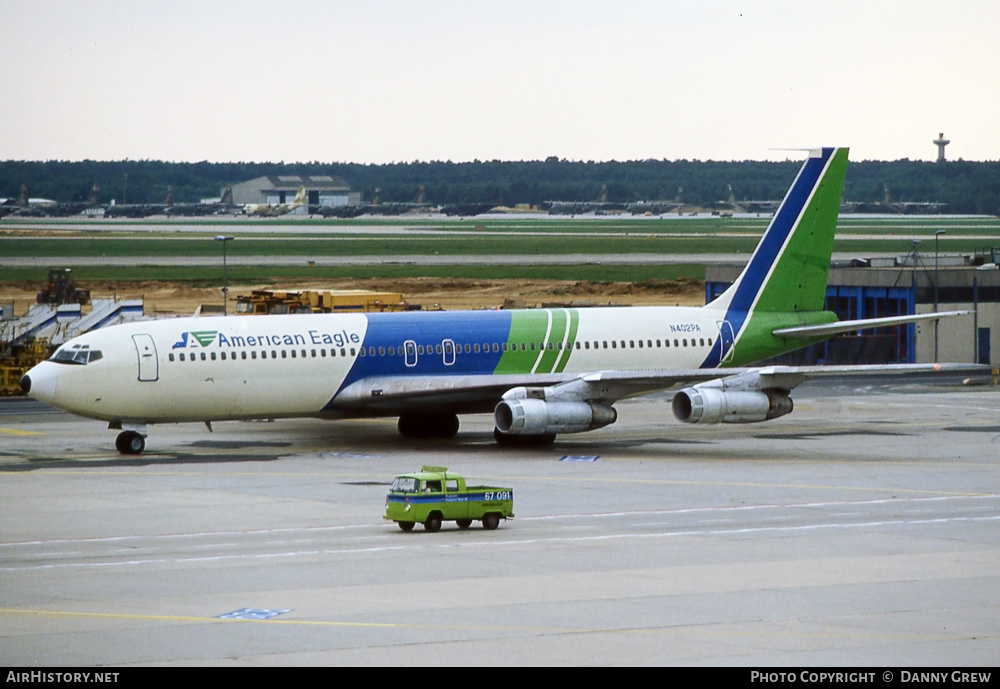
(873, 288)
(272, 190)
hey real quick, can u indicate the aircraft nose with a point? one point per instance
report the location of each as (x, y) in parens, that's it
(40, 383)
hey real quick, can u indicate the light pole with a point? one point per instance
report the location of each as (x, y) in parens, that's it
(937, 235)
(225, 288)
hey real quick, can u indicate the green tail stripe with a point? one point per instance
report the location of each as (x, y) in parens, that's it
(798, 281)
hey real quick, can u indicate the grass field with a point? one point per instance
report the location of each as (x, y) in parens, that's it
(478, 239)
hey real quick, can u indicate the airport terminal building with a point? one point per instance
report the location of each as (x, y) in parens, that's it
(877, 288)
(272, 190)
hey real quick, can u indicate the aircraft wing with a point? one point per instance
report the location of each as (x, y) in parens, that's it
(480, 393)
(472, 393)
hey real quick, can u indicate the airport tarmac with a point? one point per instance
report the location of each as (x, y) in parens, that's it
(861, 530)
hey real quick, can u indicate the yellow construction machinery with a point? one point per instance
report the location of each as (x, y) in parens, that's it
(262, 302)
(15, 360)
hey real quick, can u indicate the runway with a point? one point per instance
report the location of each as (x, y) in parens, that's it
(859, 530)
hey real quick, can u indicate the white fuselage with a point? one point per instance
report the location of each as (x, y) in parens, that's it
(241, 367)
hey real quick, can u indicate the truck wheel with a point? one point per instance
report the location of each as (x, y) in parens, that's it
(491, 521)
(406, 526)
(433, 523)
(463, 523)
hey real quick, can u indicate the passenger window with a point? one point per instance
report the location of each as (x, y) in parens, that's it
(170, 357)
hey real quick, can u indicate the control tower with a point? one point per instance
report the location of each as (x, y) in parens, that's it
(941, 142)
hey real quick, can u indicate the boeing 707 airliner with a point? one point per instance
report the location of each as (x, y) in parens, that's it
(540, 372)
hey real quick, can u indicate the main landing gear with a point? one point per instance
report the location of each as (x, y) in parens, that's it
(428, 425)
(130, 443)
(517, 440)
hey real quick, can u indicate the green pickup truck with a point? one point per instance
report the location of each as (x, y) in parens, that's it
(434, 495)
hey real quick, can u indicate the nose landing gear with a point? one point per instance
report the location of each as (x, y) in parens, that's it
(130, 443)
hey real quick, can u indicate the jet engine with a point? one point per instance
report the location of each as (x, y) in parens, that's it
(521, 415)
(702, 404)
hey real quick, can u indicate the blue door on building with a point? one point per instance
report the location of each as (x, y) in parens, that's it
(983, 346)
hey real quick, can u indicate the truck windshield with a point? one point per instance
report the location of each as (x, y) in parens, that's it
(404, 484)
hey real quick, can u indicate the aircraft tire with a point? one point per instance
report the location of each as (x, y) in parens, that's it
(130, 443)
(515, 440)
(428, 425)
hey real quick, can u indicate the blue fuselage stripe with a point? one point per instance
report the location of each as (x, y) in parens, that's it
(428, 330)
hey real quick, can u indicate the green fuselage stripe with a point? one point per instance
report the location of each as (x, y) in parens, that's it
(533, 345)
(547, 361)
(527, 329)
(574, 323)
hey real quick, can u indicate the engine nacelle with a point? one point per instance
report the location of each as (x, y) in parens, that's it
(538, 417)
(710, 405)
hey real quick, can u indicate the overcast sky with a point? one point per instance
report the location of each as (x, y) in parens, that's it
(387, 80)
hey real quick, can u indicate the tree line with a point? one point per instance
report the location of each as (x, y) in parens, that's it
(963, 186)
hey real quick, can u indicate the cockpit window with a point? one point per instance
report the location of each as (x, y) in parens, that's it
(79, 355)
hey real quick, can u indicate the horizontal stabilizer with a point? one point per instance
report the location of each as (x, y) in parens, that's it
(807, 331)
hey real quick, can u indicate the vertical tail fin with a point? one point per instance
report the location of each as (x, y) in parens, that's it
(789, 268)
